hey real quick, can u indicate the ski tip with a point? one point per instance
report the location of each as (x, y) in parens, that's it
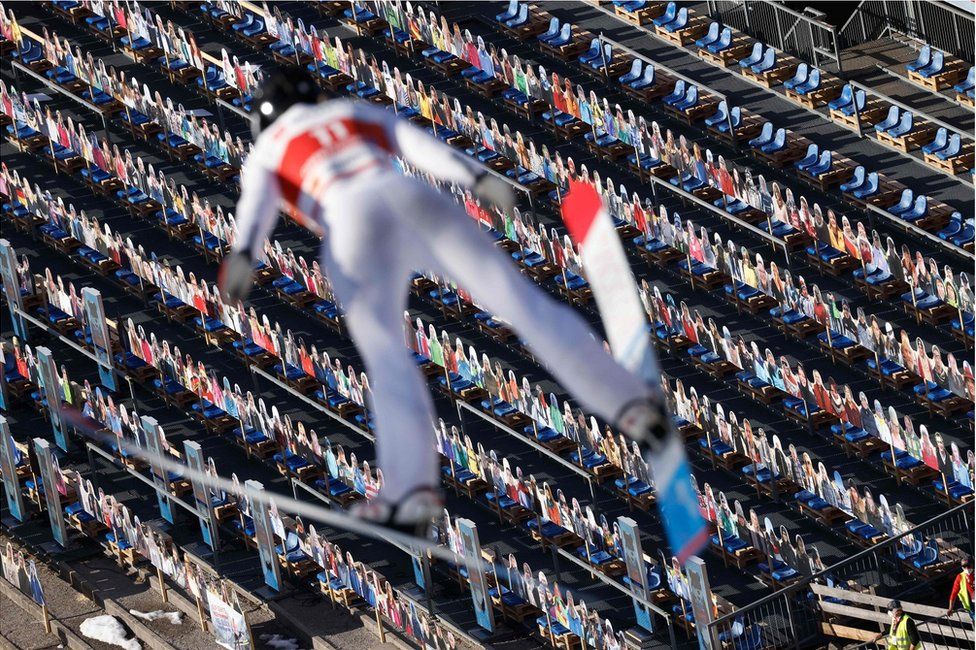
(580, 207)
(693, 546)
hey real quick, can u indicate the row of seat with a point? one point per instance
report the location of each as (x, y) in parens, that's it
(764, 65)
(931, 70)
(212, 415)
(299, 556)
(814, 88)
(923, 210)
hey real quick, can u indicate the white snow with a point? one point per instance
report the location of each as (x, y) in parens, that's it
(279, 642)
(175, 618)
(108, 629)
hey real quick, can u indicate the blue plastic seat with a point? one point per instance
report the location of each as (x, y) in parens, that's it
(935, 66)
(722, 43)
(635, 72)
(710, 37)
(890, 120)
(550, 33)
(765, 136)
(767, 63)
(905, 125)
(870, 187)
(846, 99)
(940, 142)
(967, 84)
(510, 12)
(812, 83)
(670, 12)
(923, 60)
(823, 165)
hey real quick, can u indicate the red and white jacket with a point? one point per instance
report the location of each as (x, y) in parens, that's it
(309, 153)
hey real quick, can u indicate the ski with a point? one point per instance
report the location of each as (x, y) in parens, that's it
(625, 322)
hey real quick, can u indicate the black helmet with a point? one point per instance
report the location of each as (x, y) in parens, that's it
(281, 90)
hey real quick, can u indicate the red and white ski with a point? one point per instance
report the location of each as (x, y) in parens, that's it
(618, 301)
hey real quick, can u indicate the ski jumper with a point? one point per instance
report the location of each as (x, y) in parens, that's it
(332, 165)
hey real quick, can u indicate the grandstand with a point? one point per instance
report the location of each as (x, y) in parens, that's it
(793, 186)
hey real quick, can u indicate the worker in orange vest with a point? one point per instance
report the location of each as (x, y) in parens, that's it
(962, 589)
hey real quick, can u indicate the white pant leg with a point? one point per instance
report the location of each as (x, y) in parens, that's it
(368, 256)
(558, 335)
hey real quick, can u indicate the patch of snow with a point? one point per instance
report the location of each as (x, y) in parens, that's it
(279, 642)
(107, 629)
(176, 618)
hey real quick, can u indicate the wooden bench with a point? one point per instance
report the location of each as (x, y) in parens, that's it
(827, 91)
(696, 27)
(785, 69)
(645, 14)
(737, 49)
(951, 73)
(960, 163)
(920, 135)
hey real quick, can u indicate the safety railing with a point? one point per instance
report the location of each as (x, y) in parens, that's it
(792, 617)
(802, 33)
(940, 24)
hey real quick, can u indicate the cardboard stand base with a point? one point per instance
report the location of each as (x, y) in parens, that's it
(638, 638)
(482, 635)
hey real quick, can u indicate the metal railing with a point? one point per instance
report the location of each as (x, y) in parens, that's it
(791, 617)
(803, 34)
(940, 24)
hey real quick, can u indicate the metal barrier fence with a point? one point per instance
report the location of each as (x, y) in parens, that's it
(802, 34)
(938, 632)
(791, 617)
(939, 24)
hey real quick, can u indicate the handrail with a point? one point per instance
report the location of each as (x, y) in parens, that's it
(17, 65)
(109, 457)
(314, 404)
(400, 592)
(616, 585)
(56, 333)
(953, 9)
(331, 502)
(801, 584)
(851, 18)
(948, 245)
(914, 85)
(658, 65)
(542, 450)
(798, 14)
(230, 107)
(250, 6)
(915, 111)
(773, 240)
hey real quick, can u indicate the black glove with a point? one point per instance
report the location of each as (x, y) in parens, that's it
(235, 277)
(490, 188)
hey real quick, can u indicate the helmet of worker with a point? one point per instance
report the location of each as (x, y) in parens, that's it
(279, 91)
